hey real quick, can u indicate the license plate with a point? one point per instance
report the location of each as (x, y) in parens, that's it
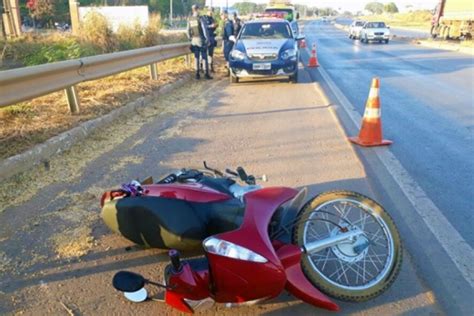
(262, 66)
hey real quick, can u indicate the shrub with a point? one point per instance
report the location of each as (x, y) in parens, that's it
(129, 37)
(151, 33)
(96, 30)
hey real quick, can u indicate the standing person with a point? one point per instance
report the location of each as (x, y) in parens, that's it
(211, 28)
(237, 24)
(199, 36)
(227, 32)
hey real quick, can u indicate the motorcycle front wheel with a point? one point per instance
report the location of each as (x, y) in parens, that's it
(353, 270)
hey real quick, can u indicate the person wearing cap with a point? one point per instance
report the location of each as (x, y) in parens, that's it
(227, 32)
(198, 34)
(211, 28)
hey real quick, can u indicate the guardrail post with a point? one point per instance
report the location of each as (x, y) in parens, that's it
(154, 71)
(72, 99)
(187, 60)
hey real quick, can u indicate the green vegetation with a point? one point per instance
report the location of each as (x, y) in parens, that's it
(95, 37)
(46, 12)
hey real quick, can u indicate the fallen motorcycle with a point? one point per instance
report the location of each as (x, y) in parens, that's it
(256, 241)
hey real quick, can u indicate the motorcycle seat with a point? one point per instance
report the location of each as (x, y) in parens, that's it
(160, 222)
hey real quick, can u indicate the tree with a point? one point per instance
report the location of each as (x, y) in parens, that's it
(41, 9)
(374, 7)
(390, 8)
(246, 8)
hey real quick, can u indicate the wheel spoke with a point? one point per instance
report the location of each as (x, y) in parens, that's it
(341, 264)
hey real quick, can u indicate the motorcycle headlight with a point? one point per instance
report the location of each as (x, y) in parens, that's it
(237, 55)
(289, 53)
(227, 249)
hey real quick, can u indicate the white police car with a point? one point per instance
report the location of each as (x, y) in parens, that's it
(265, 48)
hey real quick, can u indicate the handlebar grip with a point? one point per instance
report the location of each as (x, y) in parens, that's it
(242, 173)
(175, 260)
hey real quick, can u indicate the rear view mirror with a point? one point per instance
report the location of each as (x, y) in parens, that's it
(132, 284)
(300, 37)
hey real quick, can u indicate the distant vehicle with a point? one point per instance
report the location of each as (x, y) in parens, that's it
(287, 9)
(453, 19)
(324, 19)
(265, 48)
(375, 31)
(355, 28)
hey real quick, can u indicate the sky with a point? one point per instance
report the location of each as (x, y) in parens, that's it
(345, 5)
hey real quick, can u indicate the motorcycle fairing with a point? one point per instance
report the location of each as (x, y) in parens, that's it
(194, 192)
(161, 222)
(297, 283)
(235, 280)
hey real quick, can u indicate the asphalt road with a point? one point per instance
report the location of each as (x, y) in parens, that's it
(428, 111)
(58, 257)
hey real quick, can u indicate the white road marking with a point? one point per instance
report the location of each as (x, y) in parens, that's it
(460, 252)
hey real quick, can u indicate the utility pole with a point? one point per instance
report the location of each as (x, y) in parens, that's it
(11, 18)
(74, 13)
(171, 12)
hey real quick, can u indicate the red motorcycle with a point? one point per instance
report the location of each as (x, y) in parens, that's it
(256, 241)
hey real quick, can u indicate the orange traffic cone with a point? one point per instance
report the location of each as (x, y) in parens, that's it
(313, 60)
(371, 131)
(302, 43)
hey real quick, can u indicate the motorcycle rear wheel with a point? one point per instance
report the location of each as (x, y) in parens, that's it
(352, 271)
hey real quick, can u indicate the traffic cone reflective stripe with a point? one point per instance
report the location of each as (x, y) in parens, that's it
(372, 113)
(313, 60)
(371, 130)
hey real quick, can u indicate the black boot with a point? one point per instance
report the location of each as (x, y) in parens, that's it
(198, 76)
(208, 77)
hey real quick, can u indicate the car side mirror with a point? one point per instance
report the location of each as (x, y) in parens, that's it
(300, 37)
(232, 38)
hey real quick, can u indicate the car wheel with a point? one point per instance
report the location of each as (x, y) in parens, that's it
(233, 79)
(294, 78)
(350, 36)
(386, 41)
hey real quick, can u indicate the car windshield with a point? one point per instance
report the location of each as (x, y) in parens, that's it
(271, 30)
(375, 25)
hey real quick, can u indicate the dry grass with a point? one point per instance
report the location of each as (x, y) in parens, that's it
(417, 19)
(29, 123)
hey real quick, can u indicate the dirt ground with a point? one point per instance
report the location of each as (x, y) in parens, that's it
(28, 123)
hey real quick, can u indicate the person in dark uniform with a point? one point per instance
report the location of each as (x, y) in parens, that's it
(227, 32)
(200, 40)
(237, 24)
(211, 28)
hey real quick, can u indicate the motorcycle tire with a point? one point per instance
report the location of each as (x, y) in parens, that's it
(344, 256)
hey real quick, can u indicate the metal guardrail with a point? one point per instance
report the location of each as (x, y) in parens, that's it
(22, 84)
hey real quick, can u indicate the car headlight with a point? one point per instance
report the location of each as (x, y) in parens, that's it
(237, 55)
(227, 249)
(289, 53)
